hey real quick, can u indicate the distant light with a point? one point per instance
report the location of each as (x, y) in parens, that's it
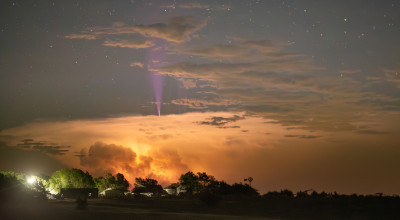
(31, 180)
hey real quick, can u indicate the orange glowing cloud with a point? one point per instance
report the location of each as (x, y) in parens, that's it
(230, 146)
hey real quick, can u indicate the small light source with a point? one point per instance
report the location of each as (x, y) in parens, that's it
(31, 180)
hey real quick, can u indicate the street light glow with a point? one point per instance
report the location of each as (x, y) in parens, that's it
(31, 180)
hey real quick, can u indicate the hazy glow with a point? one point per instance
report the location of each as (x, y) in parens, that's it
(31, 180)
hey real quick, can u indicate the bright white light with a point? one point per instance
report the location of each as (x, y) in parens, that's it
(31, 180)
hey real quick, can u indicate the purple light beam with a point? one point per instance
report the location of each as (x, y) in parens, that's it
(157, 81)
(155, 57)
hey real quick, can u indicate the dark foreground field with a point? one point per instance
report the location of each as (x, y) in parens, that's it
(25, 205)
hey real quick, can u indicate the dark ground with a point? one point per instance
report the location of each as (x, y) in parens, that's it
(18, 204)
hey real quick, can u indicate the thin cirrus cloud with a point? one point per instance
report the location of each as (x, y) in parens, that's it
(302, 136)
(202, 103)
(253, 73)
(136, 64)
(189, 5)
(193, 5)
(177, 29)
(129, 44)
(43, 146)
(393, 76)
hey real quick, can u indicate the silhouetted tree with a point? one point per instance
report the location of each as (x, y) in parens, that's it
(195, 183)
(145, 182)
(121, 182)
(147, 186)
(190, 181)
(243, 189)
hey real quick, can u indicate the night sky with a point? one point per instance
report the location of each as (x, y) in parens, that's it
(296, 94)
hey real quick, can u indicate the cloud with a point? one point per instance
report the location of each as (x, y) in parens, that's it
(168, 6)
(373, 132)
(101, 157)
(190, 5)
(193, 5)
(201, 103)
(43, 146)
(129, 44)
(53, 150)
(240, 50)
(136, 64)
(349, 71)
(221, 51)
(302, 136)
(228, 154)
(222, 121)
(177, 29)
(108, 157)
(188, 83)
(27, 161)
(270, 80)
(393, 76)
(82, 36)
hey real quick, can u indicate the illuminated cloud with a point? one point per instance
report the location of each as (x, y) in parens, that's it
(201, 103)
(82, 36)
(165, 147)
(137, 64)
(190, 5)
(108, 157)
(177, 29)
(393, 76)
(242, 49)
(373, 132)
(193, 5)
(101, 158)
(188, 83)
(302, 136)
(129, 44)
(349, 71)
(266, 79)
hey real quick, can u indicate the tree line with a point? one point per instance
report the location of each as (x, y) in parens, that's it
(189, 183)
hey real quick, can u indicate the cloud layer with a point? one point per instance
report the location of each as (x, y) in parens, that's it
(276, 156)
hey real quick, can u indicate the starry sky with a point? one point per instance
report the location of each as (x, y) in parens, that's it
(297, 94)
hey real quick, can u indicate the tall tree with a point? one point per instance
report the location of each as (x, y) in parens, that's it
(147, 186)
(70, 178)
(114, 182)
(194, 183)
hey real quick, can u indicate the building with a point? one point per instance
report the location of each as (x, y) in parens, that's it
(181, 189)
(111, 193)
(170, 190)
